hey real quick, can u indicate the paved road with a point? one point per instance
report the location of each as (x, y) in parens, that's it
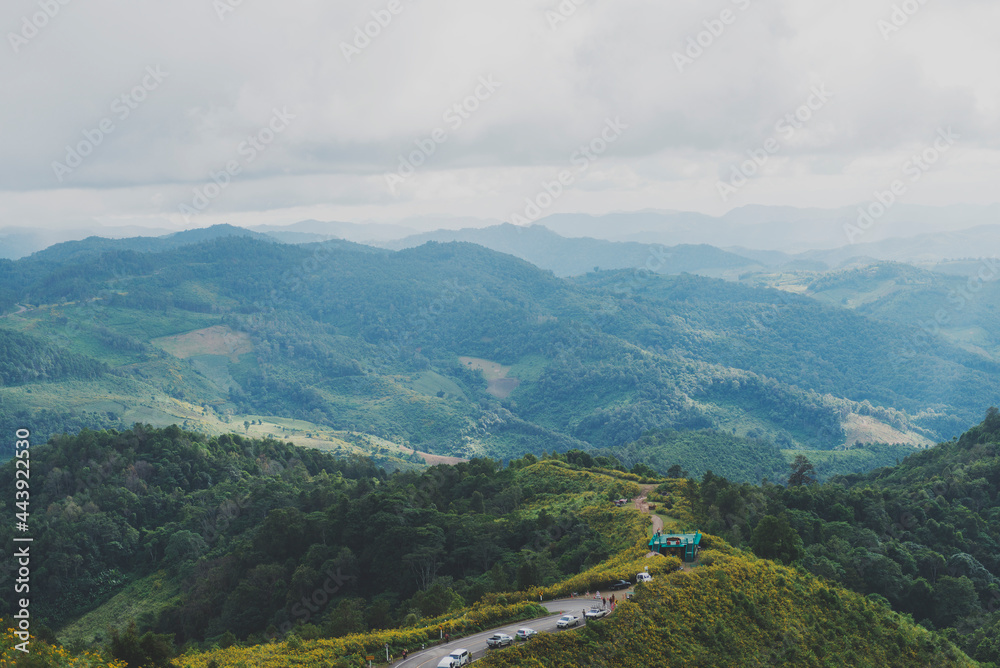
(476, 644)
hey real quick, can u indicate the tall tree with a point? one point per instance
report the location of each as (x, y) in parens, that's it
(803, 472)
(774, 538)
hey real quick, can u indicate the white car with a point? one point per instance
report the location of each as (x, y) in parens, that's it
(643, 577)
(567, 621)
(595, 613)
(525, 633)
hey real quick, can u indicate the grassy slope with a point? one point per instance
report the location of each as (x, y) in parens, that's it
(143, 597)
(736, 610)
(730, 610)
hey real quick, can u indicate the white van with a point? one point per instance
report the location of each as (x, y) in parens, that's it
(643, 577)
(460, 657)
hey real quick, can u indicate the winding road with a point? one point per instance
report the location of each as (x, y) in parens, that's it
(476, 643)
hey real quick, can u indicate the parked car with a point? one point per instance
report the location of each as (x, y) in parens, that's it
(567, 621)
(460, 657)
(525, 633)
(499, 640)
(643, 577)
(595, 613)
(620, 584)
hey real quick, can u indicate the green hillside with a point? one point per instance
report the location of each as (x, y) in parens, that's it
(25, 359)
(696, 452)
(954, 305)
(923, 536)
(739, 611)
(354, 342)
(226, 534)
(214, 542)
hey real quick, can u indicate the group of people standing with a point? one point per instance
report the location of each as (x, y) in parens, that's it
(607, 603)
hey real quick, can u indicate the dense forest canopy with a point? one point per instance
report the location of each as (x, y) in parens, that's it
(923, 535)
(246, 528)
(225, 536)
(456, 349)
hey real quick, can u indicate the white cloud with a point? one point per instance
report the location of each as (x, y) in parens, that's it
(353, 119)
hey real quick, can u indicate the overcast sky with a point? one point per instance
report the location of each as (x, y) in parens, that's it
(331, 113)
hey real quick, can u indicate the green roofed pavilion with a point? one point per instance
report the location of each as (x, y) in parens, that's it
(684, 546)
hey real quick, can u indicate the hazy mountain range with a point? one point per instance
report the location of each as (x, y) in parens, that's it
(772, 236)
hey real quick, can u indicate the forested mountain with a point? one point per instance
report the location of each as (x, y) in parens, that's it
(959, 307)
(17, 242)
(212, 535)
(575, 256)
(923, 535)
(25, 359)
(456, 349)
(801, 342)
(95, 246)
(221, 543)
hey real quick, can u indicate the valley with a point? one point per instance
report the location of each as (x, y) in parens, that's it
(453, 350)
(487, 411)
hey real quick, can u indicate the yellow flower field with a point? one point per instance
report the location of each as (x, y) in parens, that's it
(43, 654)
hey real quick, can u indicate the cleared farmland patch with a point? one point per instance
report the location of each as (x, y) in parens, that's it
(498, 383)
(217, 340)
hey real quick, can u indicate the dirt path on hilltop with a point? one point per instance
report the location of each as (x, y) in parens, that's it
(643, 506)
